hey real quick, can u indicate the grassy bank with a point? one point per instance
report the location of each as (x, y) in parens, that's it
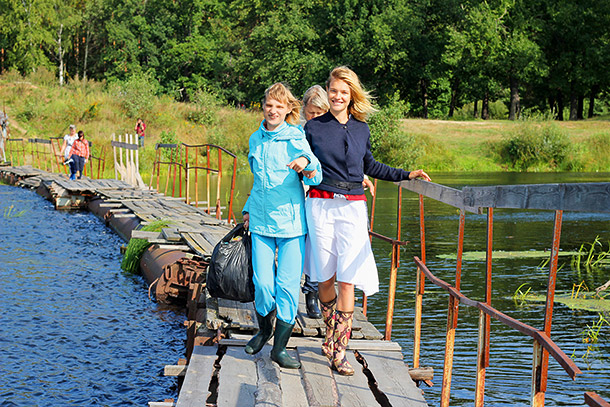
(39, 108)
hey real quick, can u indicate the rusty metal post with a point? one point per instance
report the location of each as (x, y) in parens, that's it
(541, 358)
(218, 182)
(232, 190)
(391, 292)
(452, 317)
(207, 179)
(421, 278)
(484, 319)
(174, 161)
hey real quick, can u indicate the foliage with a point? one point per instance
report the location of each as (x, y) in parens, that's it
(206, 106)
(591, 258)
(137, 247)
(533, 144)
(137, 94)
(388, 144)
(170, 154)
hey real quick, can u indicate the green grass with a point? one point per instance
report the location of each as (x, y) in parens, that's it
(39, 108)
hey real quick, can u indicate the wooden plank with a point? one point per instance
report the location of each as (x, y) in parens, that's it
(142, 234)
(295, 341)
(442, 193)
(194, 245)
(354, 390)
(393, 379)
(240, 315)
(175, 370)
(171, 234)
(269, 383)
(579, 197)
(237, 379)
(184, 248)
(318, 381)
(198, 375)
(293, 393)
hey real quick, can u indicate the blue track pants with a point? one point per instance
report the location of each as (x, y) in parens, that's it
(277, 287)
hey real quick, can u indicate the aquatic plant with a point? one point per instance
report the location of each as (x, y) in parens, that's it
(519, 296)
(137, 247)
(10, 212)
(591, 335)
(592, 257)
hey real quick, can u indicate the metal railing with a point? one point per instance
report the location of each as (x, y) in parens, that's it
(184, 159)
(591, 197)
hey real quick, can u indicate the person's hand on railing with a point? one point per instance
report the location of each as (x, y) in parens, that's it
(419, 174)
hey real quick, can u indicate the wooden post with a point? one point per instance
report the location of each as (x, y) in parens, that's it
(541, 361)
(114, 156)
(421, 279)
(452, 318)
(484, 326)
(137, 168)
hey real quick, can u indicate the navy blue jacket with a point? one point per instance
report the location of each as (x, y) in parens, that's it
(344, 150)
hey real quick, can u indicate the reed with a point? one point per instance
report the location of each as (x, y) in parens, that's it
(137, 247)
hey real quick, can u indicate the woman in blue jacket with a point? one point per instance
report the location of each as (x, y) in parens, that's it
(275, 215)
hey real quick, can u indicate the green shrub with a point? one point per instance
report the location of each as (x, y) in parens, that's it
(535, 144)
(388, 144)
(169, 137)
(206, 106)
(137, 94)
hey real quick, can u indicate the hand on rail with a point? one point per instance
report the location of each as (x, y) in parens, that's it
(419, 174)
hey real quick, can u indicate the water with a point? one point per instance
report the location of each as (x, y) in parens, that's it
(508, 379)
(76, 330)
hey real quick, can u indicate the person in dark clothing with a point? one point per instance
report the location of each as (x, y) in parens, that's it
(336, 209)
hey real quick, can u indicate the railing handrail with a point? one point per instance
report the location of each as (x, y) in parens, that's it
(574, 197)
(564, 360)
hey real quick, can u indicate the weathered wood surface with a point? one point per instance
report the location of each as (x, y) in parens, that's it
(254, 380)
(577, 197)
(197, 379)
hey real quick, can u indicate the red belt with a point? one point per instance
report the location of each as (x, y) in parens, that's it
(319, 193)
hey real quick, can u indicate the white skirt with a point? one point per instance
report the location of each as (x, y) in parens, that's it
(338, 243)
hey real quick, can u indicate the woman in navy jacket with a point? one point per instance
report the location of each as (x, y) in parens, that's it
(336, 209)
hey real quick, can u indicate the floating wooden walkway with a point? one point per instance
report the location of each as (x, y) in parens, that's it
(218, 372)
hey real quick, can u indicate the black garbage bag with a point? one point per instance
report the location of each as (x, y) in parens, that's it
(230, 270)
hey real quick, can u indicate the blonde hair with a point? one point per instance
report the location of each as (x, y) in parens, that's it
(316, 96)
(360, 105)
(281, 93)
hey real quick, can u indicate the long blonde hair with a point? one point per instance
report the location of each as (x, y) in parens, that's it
(360, 105)
(282, 93)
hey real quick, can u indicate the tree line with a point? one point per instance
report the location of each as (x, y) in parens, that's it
(540, 56)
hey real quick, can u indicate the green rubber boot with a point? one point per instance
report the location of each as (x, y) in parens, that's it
(283, 331)
(265, 331)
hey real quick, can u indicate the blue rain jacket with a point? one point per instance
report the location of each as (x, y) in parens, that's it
(277, 201)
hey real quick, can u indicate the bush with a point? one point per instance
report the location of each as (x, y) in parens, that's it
(206, 106)
(388, 144)
(169, 137)
(137, 94)
(535, 144)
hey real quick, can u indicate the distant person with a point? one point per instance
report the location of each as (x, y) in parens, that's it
(66, 148)
(4, 135)
(336, 209)
(275, 215)
(315, 103)
(140, 131)
(80, 154)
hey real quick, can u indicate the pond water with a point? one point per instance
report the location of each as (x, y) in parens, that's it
(78, 331)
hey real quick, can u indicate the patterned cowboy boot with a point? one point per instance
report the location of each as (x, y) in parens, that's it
(343, 330)
(328, 312)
